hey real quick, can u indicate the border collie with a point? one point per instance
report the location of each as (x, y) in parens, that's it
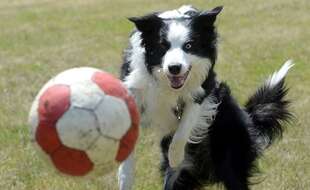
(206, 136)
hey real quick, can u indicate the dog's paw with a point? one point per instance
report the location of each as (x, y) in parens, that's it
(176, 152)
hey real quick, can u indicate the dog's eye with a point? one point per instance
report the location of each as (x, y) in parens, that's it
(188, 45)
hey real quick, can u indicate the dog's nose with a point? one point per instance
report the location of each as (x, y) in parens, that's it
(175, 69)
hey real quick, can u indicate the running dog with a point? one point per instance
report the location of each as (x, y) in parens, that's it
(206, 136)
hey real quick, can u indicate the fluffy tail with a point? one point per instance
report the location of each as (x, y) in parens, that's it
(268, 107)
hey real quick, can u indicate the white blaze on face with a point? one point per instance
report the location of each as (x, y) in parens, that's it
(178, 13)
(177, 35)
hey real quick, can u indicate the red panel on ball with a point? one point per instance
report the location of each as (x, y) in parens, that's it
(53, 103)
(47, 138)
(113, 87)
(71, 161)
(109, 84)
(128, 142)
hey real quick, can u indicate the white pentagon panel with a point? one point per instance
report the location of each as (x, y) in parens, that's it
(102, 153)
(86, 94)
(75, 75)
(77, 128)
(33, 118)
(113, 117)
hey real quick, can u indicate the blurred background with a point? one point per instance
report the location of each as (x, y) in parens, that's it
(40, 38)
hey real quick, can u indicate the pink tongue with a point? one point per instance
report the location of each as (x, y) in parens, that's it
(176, 82)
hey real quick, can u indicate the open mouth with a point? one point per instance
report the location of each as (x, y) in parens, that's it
(177, 81)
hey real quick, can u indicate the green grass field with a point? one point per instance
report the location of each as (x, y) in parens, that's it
(39, 38)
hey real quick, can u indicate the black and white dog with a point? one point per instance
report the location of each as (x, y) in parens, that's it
(206, 136)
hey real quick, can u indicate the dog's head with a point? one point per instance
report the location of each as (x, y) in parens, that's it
(180, 45)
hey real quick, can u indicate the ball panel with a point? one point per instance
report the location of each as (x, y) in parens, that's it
(75, 75)
(113, 117)
(109, 84)
(52, 104)
(86, 94)
(128, 141)
(133, 110)
(47, 138)
(33, 118)
(102, 154)
(72, 162)
(77, 128)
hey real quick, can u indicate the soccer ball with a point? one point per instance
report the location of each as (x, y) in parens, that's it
(84, 121)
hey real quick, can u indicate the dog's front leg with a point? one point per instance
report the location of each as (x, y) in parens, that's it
(182, 134)
(126, 173)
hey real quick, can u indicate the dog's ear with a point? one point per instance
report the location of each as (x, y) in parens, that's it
(207, 18)
(147, 24)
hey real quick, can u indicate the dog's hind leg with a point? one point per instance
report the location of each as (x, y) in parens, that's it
(232, 177)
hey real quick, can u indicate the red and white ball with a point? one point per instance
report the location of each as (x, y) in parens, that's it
(85, 121)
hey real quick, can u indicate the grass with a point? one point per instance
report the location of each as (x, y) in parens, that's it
(39, 38)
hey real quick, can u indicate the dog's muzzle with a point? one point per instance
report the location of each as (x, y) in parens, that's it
(177, 80)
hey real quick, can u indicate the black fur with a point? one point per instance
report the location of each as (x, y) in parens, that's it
(229, 152)
(204, 35)
(268, 108)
